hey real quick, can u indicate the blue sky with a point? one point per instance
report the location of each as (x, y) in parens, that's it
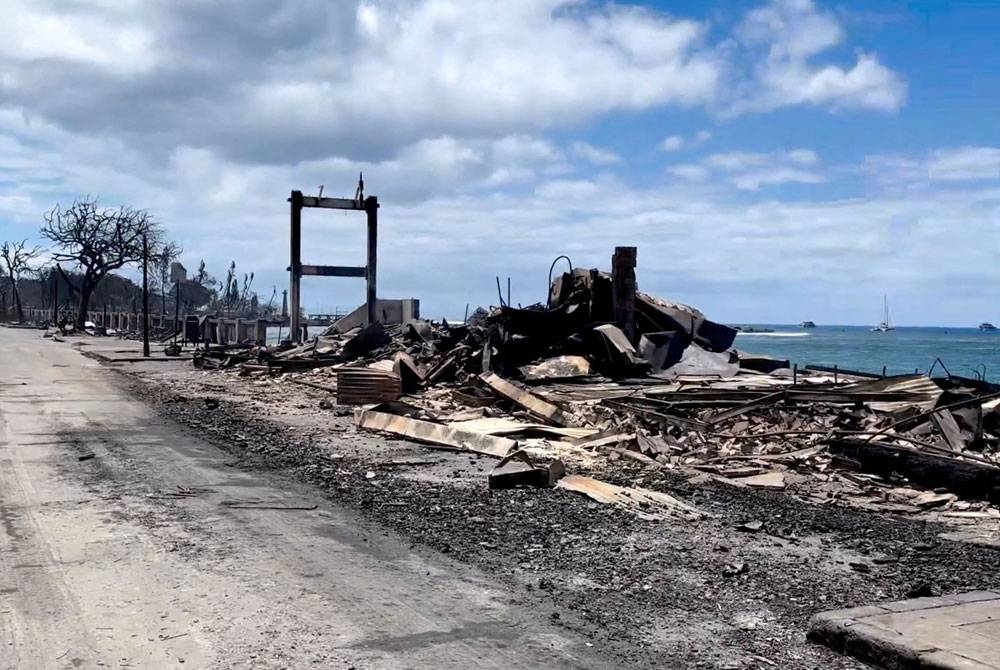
(773, 160)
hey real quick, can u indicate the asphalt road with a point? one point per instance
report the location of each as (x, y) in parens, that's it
(126, 541)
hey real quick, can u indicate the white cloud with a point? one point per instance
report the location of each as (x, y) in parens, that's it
(749, 171)
(787, 36)
(285, 81)
(595, 155)
(689, 171)
(736, 160)
(32, 33)
(802, 156)
(672, 143)
(962, 164)
(279, 81)
(753, 180)
(678, 142)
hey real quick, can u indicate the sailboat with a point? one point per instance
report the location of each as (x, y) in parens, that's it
(885, 326)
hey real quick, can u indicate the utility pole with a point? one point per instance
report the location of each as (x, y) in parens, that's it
(145, 296)
(55, 298)
(177, 308)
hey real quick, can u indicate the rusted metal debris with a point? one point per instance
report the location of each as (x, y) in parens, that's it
(518, 469)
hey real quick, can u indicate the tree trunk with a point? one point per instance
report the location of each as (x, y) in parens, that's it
(86, 289)
(17, 300)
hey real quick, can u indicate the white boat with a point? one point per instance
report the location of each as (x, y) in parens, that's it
(885, 326)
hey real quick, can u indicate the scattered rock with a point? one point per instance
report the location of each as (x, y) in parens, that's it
(754, 526)
(734, 569)
(924, 590)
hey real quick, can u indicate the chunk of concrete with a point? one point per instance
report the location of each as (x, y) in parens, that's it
(960, 632)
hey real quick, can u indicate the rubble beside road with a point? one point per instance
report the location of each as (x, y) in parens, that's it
(564, 381)
(723, 590)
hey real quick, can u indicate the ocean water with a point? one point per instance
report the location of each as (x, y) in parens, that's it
(967, 352)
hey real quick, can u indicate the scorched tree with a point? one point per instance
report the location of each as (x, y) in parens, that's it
(17, 257)
(98, 240)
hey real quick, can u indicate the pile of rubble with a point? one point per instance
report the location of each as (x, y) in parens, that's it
(581, 379)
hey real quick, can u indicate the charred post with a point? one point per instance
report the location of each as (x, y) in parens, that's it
(623, 273)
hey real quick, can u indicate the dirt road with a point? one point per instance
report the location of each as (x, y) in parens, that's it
(126, 542)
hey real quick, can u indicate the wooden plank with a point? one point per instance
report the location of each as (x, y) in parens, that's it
(644, 503)
(510, 427)
(435, 434)
(673, 419)
(767, 480)
(332, 271)
(535, 405)
(608, 437)
(946, 423)
(332, 203)
(746, 407)
(972, 479)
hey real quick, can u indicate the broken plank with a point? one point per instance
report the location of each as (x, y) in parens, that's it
(435, 434)
(613, 436)
(946, 423)
(972, 479)
(746, 407)
(644, 503)
(768, 480)
(656, 444)
(536, 406)
(693, 424)
(511, 427)
(634, 456)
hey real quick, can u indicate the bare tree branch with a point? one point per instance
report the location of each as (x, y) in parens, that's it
(17, 257)
(98, 240)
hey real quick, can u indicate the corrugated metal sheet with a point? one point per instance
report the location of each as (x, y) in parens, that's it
(366, 386)
(902, 392)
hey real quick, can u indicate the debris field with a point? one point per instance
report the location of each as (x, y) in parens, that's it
(605, 373)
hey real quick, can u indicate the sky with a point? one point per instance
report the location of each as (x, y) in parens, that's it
(773, 161)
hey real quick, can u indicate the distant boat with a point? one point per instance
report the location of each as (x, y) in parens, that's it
(752, 329)
(986, 325)
(807, 324)
(885, 326)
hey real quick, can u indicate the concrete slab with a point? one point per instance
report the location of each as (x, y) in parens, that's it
(958, 632)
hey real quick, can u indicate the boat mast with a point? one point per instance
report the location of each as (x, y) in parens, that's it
(885, 303)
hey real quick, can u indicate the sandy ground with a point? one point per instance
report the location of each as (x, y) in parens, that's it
(127, 541)
(645, 594)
